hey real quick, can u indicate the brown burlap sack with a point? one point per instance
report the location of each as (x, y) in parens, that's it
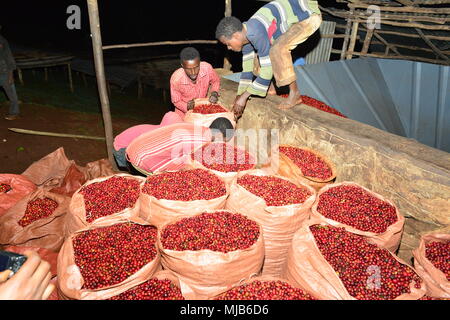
(390, 239)
(55, 170)
(164, 275)
(44, 233)
(76, 218)
(50, 170)
(205, 120)
(437, 284)
(308, 269)
(162, 211)
(279, 223)
(204, 273)
(256, 278)
(282, 165)
(228, 177)
(70, 280)
(21, 186)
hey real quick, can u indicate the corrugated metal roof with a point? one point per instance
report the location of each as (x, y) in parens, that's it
(407, 98)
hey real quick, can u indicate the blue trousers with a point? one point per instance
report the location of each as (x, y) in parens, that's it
(10, 90)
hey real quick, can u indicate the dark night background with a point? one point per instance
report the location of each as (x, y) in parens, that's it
(42, 25)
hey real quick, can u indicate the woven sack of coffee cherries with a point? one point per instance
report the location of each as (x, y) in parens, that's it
(163, 285)
(303, 164)
(205, 112)
(360, 211)
(177, 194)
(222, 159)
(264, 288)
(279, 205)
(36, 220)
(109, 198)
(432, 262)
(107, 259)
(47, 255)
(211, 251)
(334, 264)
(13, 187)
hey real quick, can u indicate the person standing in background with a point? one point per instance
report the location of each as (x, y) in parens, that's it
(192, 81)
(7, 67)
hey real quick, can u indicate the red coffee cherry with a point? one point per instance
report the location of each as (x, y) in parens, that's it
(4, 188)
(196, 184)
(275, 191)
(107, 256)
(223, 157)
(220, 231)
(310, 164)
(38, 209)
(153, 289)
(208, 109)
(367, 272)
(265, 290)
(354, 206)
(438, 253)
(109, 196)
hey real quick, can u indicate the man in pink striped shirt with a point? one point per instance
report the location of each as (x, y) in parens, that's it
(192, 81)
(166, 148)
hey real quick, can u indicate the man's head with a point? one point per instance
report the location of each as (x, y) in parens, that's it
(190, 62)
(230, 31)
(222, 129)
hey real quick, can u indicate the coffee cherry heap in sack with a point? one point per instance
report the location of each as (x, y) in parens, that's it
(38, 209)
(4, 188)
(265, 290)
(223, 157)
(310, 164)
(109, 196)
(356, 207)
(190, 185)
(438, 253)
(275, 191)
(208, 109)
(107, 256)
(219, 231)
(360, 264)
(153, 289)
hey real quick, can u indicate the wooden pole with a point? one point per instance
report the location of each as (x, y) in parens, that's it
(69, 71)
(159, 43)
(226, 60)
(347, 36)
(352, 44)
(55, 134)
(94, 21)
(19, 72)
(367, 40)
(432, 46)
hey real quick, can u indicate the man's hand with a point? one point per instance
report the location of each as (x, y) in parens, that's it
(239, 105)
(190, 105)
(31, 282)
(214, 97)
(11, 77)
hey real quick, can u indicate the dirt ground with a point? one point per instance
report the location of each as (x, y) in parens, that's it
(18, 151)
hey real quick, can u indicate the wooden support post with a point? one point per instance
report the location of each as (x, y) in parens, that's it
(83, 76)
(69, 71)
(94, 21)
(347, 37)
(352, 44)
(139, 88)
(432, 46)
(19, 72)
(367, 40)
(226, 60)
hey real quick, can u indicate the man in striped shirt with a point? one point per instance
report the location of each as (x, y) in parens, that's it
(192, 81)
(167, 148)
(271, 34)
